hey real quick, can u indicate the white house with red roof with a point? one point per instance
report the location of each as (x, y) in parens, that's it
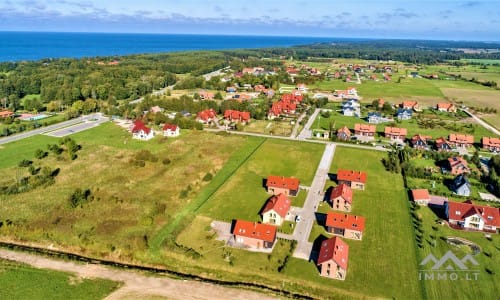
(341, 198)
(348, 226)
(276, 210)
(171, 130)
(421, 196)
(333, 258)
(254, 235)
(141, 132)
(475, 217)
(207, 116)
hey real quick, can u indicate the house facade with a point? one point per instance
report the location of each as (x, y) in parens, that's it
(490, 143)
(141, 132)
(374, 117)
(353, 179)
(171, 130)
(344, 225)
(395, 133)
(446, 107)
(420, 142)
(333, 258)
(365, 130)
(474, 217)
(442, 145)
(344, 134)
(254, 235)
(404, 114)
(461, 140)
(351, 108)
(275, 210)
(288, 186)
(341, 198)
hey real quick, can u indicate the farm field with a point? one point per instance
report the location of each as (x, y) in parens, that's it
(19, 281)
(281, 128)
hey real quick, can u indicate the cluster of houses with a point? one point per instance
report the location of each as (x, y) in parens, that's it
(334, 252)
(287, 105)
(209, 116)
(141, 132)
(461, 215)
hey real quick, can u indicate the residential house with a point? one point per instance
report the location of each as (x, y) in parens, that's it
(404, 114)
(344, 225)
(420, 142)
(171, 130)
(374, 117)
(302, 88)
(254, 235)
(259, 88)
(333, 258)
(141, 132)
(457, 165)
(351, 108)
(471, 216)
(289, 186)
(354, 179)
(294, 98)
(344, 134)
(395, 133)
(207, 116)
(365, 130)
(341, 198)
(204, 95)
(461, 140)
(275, 210)
(287, 105)
(410, 105)
(491, 143)
(6, 114)
(237, 116)
(421, 196)
(446, 107)
(461, 186)
(242, 97)
(443, 145)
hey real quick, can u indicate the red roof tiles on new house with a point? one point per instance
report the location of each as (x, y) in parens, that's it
(348, 175)
(491, 142)
(255, 230)
(420, 194)
(345, 221)
(342, 190)
(395, 131)
(366, 128)
(138, 126)
(461, 138)
(283, 182)
(280, 204)
(336, 249)
(461, 210)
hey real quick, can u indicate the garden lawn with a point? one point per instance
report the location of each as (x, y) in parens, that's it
(19, 281)
(12, 153)
(244, 194)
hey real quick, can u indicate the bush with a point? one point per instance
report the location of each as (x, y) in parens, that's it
(25, 163)
(166, 161)
(208, 177)
(79, 197)
(39, 154)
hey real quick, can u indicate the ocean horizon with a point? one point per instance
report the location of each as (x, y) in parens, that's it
(22, 46)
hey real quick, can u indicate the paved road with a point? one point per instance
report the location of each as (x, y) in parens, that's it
(482, 123)
(314, 197)
(96, 120)
(297, 125)
(41, 130)
(306, 133)
(136, 285)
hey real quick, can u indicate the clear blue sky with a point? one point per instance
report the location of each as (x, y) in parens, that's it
(423, 19)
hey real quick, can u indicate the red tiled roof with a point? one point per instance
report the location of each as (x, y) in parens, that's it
(207, 114)
(280, 204)
(347, 175)
(6, 113)
(283, 182)
(440, 141)
(345, 130)
(342, 190)
(395, 131)
(491, 142)
(237, 115)
(345, 221)
(336, 249)
(420, 194)
(171, 127)
(138, 126)
(409, 104)
(461, 138)
(456, 161)
(292, 98)
(444, 105)
(490, 215)
(365, 128)
(420, 137)
(255, 230)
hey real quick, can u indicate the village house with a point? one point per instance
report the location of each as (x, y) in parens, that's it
(242, 97)
(395, 133)
(333, 258)
(171, 130)
(344, 134)
(141, 132)
(420, 142)
(354, 179)
(461, 186)
(344, 225)
(289, 186)
(6, 114)
(490, 143)
(421, 196)
(204, 95)
(294, 98)
(457, 165)
(207, 116)
(474, 217)
(404, 114)
(461, 140)
(442, 145)
(374, 117)
(254, 235)
(446, 107)
(237, 116)
(412, 105)
(275, 210)
(341, 198)
(351, 108)
(365, 130)
(281, 108)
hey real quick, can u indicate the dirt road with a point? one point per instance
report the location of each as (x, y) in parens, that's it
(136, 285)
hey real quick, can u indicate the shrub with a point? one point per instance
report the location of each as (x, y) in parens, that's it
(208, 177)
(39, 154)
(79, 197)
(166, 161)
(25, 163)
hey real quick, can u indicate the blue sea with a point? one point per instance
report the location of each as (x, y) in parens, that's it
(17, 46)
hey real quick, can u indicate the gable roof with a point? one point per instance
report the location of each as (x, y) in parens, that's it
(444, 105)
(491, 141)
(395, 131)
(419, 137)
(344, 130)
(348, 175)
(409, 104)
(336, 249)
(207, 114)
(342, 190)
(255, 230)
(345, 221)
(290, 183)
(456, 161)
(459, 181)
(236, 114)
(365, 127)
(420, 194)
(462, 210)
(461, 138)
(442, 141)
(138, 126)
(171, 127)
(280, 204)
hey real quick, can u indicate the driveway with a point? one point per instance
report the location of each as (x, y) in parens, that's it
(306, 133)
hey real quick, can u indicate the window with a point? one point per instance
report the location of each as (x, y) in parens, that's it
(457, 212)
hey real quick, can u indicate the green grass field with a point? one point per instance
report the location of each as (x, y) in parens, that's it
(20, 281)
